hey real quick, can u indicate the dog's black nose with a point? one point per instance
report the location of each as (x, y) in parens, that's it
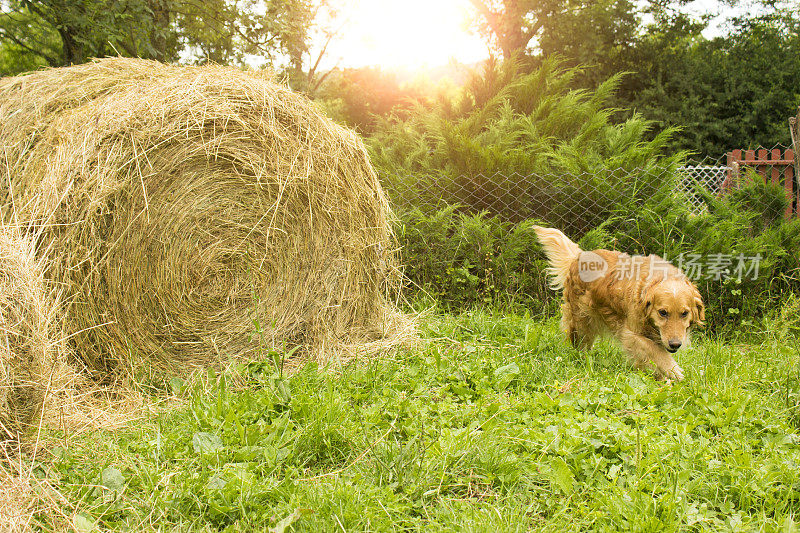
(674, 345)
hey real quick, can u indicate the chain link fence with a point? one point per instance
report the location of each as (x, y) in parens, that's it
(572, 201)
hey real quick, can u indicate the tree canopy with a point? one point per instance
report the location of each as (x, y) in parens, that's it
(63, 32)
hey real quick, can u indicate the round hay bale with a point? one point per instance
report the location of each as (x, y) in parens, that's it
(28, 344)
(197, 213)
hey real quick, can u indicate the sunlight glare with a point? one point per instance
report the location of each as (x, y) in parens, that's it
(407, 34)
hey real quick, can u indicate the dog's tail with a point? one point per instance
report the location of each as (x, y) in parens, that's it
(560, 252)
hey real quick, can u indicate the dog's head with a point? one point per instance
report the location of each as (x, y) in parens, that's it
(673, 306)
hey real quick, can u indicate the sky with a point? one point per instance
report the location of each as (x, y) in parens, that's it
(392, 35)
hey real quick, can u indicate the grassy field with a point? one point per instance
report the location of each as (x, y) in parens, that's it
(492, 424)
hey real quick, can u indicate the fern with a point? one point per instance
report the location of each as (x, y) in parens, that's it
(517, 127)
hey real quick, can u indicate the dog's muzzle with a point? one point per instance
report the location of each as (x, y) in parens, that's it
(673, 346)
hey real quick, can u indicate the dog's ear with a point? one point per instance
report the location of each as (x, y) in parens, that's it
(646, 301)
(698, 309)
(699, 314)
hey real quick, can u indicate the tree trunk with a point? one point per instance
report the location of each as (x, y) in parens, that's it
(508, 26)
(158, 35)
(72, 51)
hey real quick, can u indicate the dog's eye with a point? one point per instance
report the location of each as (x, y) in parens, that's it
(663, 313)
(684, 314)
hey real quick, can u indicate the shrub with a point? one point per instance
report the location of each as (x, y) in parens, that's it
(463, 260)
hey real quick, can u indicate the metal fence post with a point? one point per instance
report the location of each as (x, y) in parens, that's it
(794, 131)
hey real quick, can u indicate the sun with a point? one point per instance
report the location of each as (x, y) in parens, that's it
(406, 34)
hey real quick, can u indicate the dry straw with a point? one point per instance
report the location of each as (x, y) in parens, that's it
(194, 214)
(32, 361)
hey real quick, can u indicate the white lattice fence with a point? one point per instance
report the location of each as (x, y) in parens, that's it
(695, 180)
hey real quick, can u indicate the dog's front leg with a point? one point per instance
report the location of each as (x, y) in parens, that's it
(646, 354)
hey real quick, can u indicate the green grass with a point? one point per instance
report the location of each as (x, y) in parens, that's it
(493, 424)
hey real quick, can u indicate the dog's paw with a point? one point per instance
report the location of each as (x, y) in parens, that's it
(675, 373)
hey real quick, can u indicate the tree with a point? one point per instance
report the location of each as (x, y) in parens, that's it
(63, 32)
(512, 24)
(27, 43)
(592, 33)
(597, 35)
(238, 31)
(321, 23)
(571, 28)
(360, 97)
(732, 91)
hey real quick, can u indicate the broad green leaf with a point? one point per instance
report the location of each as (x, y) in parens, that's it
(112, 479)
(561, 475)
(281, 526)
(206, 443)
(83, 523)
(505, 374)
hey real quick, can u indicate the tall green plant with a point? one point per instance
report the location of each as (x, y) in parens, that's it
(525, 145)
(506, 121)
(466, 259)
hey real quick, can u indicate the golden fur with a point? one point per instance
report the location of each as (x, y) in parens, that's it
(646, 303)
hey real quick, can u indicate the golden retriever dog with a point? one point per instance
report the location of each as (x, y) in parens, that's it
(646, 303)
